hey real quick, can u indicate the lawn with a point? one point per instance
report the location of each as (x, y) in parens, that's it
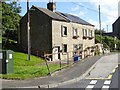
(25, 69)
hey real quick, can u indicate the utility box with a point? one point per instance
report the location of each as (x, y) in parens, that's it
(6, 61)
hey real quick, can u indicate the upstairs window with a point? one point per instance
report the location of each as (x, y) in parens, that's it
(91, 33)
(75, 33)
(85, 32)
(64, 31)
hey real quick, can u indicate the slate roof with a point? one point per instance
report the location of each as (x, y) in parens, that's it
(63, 16)
(75, 19)
(51, 14)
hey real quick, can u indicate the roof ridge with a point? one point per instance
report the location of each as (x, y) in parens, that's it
(63, 16)
(59, 13)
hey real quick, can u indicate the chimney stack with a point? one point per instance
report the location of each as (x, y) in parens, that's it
(51, 5)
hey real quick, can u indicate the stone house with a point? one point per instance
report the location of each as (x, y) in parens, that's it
(53, 32)
(116, 28)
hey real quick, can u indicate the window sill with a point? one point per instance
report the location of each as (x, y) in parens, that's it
(84, 37)
(91, 37)
(64, 53)
(75, 37)
(64, 35)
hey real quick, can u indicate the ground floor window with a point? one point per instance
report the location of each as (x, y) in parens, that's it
(64, 48)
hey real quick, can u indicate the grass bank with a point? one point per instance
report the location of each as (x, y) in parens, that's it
(24, 69)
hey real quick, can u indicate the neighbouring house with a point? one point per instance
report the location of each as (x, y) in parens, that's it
(54, 32)
(116, 28)
(110, 34)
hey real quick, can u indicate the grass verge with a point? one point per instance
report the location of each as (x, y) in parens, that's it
(24, 69)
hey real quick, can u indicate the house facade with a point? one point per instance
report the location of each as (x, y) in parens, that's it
(54, 32)
(116, 28)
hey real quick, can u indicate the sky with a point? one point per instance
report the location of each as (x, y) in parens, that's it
(85, 9)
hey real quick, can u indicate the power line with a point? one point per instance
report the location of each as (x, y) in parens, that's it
(94, 10)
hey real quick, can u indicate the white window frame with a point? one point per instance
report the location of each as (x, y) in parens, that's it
(89, 33)
(75, 32)
(86, 32)
(83, 32)
(64, 31)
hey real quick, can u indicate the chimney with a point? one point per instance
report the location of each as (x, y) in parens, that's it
(51, 5)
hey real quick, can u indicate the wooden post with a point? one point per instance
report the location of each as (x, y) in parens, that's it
(47, 66)
(67, 58)
(60, 61)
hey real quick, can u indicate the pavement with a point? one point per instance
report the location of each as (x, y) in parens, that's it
(74, 73)
(104, 67)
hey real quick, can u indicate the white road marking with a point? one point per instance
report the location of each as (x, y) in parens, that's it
(93, 82)
(107, 82)
(105, 86)
(90, 86)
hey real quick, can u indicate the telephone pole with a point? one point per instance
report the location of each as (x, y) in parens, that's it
(100, 26)
(28, 30)
(107, 28)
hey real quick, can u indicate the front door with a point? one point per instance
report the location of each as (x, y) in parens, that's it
(56, 53)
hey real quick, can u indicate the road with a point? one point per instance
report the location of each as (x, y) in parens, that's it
(115, 80)
(98, 78)
(96, 83)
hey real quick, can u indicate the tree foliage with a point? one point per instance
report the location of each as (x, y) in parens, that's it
(15, 7)
(0, 19)
(99, 31)
(10, 19)
(108, 42)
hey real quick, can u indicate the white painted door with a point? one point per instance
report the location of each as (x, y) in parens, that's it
(56, 53)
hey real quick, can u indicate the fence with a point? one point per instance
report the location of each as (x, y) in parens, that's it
(62, 59)
(65, 59)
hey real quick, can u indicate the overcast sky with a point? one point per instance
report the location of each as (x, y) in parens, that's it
(85, 9)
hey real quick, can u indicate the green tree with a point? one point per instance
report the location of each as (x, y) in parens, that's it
(15, 7)
(108, 42)
(99, 31)
(0, 19)
(10, 19)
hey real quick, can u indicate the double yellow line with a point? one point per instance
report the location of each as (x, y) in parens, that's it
(113, 71)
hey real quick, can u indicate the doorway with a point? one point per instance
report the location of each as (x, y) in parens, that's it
(56, 53)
